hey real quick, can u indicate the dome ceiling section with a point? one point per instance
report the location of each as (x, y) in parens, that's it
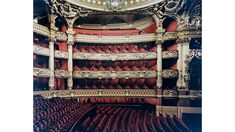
(114, 5)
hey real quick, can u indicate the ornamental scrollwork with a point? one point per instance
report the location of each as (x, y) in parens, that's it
(170, 54)
(193, 53)
(113, 57)
(169, 35)
(41, 72)
(37, 28)
(170, 93)
(61, 73)
(114, 74)
(196, 93)
(169, 73)
(61, 36)
(118, 39)
(41, 50)
(67, 10)
(98, 93)
(61, 54)
(173, 6)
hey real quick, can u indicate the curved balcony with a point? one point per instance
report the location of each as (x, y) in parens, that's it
(37, 28)
(114, 56)
(105, 56)
(98, 93)
(42, 72)
(61, 54)
(41, 50)
(114, 74)
(115, 39)
(62, 73)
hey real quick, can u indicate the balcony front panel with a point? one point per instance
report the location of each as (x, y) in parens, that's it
(98, 93)
(41, 72)
(41, 50)
(37, 28)
(114, 74)
(115, 39)
(114, 56)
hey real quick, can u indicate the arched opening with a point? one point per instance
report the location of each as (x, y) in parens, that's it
(170, 24)
(61, 24)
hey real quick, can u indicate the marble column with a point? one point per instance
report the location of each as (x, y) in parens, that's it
(182, 65)
(70, 64)
(53, 30)
(51, 65)
(70, 43)
(159, 64)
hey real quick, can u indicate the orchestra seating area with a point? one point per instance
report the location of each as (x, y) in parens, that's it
(56, 114)
(60, 114)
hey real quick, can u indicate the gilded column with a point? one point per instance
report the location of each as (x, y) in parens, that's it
(53, 30)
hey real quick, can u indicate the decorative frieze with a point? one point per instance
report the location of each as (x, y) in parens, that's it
(138, 93)
(195, 93)
(114, 56)
(61, 36)
(114, 74)
(41, 72)
(61, 73)
(37, 28)
(105, 56)
(170, 93)
(123, 74)
(169, 36)
(169, 73)
(99, 93)
(193, 53)
(61, 54)
(118, 39)
(170, 54)
(41, 50)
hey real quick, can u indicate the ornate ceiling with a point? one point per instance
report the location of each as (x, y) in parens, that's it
(113, 5)
(186, 12)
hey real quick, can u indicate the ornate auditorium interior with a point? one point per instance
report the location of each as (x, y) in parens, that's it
(117, 65)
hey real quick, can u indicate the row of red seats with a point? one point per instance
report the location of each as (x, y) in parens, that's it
(133, 83)
(124, 48)
(118, 118)
(106, 32)
(142, 65)
(57, 114)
